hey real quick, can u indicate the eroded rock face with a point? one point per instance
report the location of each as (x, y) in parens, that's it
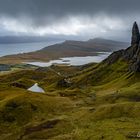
(135, 64)
(114, 57)
(135, 34)
(131, 54)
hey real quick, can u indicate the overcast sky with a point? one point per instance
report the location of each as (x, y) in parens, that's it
(79, 19)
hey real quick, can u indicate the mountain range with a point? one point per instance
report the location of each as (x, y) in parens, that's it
(67, 49)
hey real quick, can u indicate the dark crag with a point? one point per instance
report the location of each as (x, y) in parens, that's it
(131, 54)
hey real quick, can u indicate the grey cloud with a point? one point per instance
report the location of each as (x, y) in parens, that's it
(42, 13)
(57, 9)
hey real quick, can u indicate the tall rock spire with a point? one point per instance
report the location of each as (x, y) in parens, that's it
(131, 54)
(135, 34)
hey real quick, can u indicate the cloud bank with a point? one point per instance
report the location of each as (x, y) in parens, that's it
(78, 18)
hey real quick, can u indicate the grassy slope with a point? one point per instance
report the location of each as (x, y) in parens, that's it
(103, 103)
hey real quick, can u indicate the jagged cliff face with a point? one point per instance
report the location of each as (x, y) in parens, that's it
(131, 54)
(135, 34)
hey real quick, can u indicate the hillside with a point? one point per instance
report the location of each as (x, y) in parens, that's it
(67, 49)
(121, 66)
(93, 45)
(90, 102)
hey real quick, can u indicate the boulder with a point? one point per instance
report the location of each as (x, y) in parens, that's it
(65, 83)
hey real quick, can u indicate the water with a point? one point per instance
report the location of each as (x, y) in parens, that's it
(36, 88)
(74, 61)
(8, 49)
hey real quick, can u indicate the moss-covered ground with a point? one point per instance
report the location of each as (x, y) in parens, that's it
(102, 102)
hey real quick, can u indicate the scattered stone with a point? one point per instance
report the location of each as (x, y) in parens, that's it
(64, 83)
(18, 84)
(133, 135)
(92, 109)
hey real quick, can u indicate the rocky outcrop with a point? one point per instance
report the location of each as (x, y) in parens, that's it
(131, 54)
(135, 34)
(135, 50)
(135, 63)
(65, 83)
(114, 57)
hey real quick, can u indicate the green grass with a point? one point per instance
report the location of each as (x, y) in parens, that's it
(103, 102)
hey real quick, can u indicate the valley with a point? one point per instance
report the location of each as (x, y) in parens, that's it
(69, 70)
(87, 102)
